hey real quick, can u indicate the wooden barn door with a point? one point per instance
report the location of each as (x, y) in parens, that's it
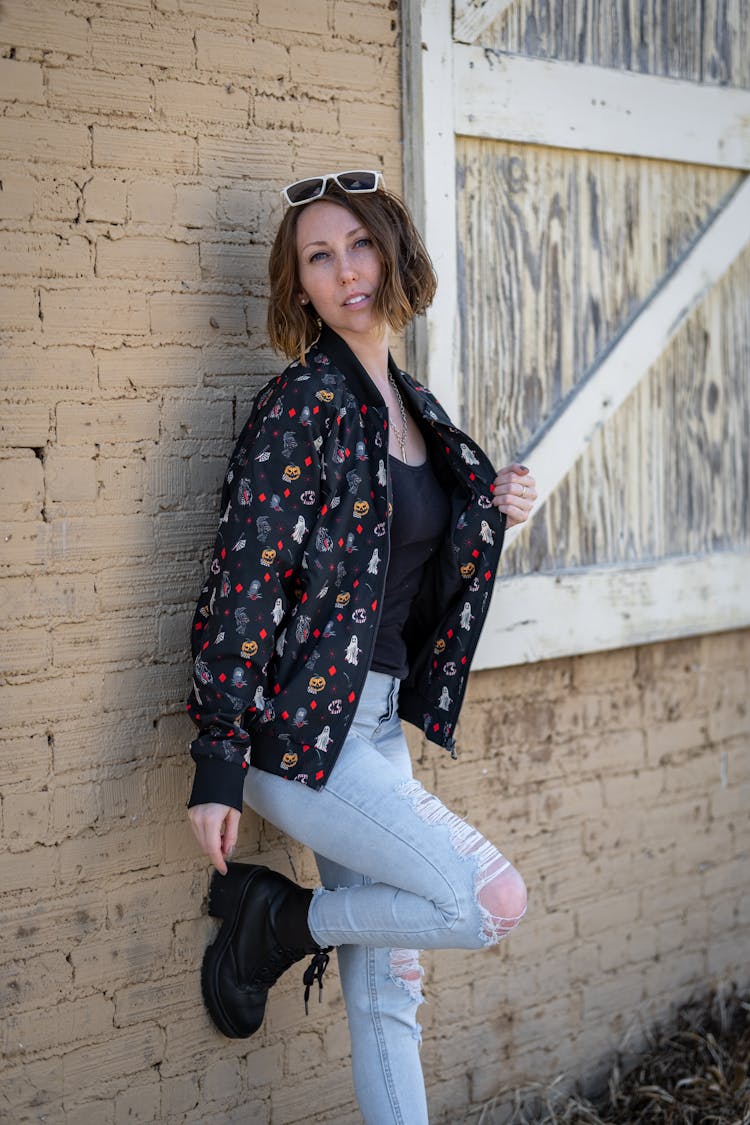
(580, 171)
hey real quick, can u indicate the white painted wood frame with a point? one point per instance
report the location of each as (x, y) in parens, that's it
(565, 105)
(542, 616)
(502, 97)
(471, 17)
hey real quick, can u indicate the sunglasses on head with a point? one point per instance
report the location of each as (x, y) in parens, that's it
(304, 191)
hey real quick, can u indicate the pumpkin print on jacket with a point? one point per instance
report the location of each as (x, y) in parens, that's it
(285, 627)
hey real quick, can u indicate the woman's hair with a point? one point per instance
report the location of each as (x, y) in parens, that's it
(406, 288)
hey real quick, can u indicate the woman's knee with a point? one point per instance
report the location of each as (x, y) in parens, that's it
(502, 900)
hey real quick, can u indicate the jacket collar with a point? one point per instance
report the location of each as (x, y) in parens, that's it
(332, 345)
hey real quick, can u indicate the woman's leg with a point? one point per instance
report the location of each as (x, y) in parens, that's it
(434, 881)
(382, 991)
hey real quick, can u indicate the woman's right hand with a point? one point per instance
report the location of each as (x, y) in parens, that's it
(215, 827)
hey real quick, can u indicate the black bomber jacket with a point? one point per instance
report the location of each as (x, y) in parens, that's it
(285, 627)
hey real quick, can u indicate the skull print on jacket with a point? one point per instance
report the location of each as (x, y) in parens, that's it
(285, 627)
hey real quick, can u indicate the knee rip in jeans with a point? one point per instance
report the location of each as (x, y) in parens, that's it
(499, 889)
(406, 972)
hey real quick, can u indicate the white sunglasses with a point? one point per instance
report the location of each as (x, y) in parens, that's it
(355, 182)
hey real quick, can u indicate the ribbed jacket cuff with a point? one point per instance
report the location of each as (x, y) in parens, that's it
(219, 782)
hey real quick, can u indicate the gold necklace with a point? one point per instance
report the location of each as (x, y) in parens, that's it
(400, 437)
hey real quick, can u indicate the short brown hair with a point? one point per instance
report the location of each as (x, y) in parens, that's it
(407, 286)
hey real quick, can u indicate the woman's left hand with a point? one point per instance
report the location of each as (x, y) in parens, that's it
(514, 493)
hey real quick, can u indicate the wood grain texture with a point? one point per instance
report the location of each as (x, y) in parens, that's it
(703, 42)
(564, 248)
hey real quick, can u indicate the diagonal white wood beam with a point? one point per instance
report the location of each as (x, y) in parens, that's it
(565, 436)
(567, 105)
(472, 17)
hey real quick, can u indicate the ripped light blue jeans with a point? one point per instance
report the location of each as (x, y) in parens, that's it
(400, 873)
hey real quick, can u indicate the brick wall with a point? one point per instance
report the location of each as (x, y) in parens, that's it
(141, 147)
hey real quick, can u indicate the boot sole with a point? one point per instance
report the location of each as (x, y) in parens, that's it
(225, 898)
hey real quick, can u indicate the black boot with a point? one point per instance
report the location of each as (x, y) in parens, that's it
(264, 933)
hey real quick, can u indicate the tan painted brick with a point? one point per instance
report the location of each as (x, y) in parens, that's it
(124, 1052)
(43, 28)
(98, 857)
(246, 154)
(338, 68)
(176, 535)
(94, 311)
(222, 1080)
(121, 482)
(109, 961)
(35, 1088)
(84, 743)
(47, 140)
(57, 198)
(42, 979)
(114, 537)
(169, 480)
(150, 257)
(74, 809)
(29, 652)
(151, 201)
(17, 196)
(366, 23)
(24, 761)
(122, 45)
(21, 81)
(279, 110)
(44, 255)
(196, 418)
(122, 638)
(109, 94)
(34, 868)
(237, 207)
(172, 997)
(71, 1022)
(107, 422)
(179, 1094)
(104, 200)
(21, 481)
(636, 790)
(70, 478)
(19, 309)
(230, 261)
(59, 370)
(143, 150)
(195, 206)
(24, 425)
(190, 314)
(49, 597)
(241, 55)
(140, 1103)
(145, 368)
(160, 687)
(183, 102)
(122, 587)
(294, 15)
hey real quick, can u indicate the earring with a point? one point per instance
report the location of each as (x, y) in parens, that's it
(304, 300)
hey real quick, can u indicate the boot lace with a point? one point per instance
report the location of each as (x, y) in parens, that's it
(314, 972)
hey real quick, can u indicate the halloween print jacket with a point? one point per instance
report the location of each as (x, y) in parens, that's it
(285, 627)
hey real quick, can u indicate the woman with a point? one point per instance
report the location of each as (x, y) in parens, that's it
(357, 549)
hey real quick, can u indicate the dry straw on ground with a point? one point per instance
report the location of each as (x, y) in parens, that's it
(698, 1073)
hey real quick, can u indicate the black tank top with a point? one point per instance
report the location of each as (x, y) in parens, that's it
(421, 511)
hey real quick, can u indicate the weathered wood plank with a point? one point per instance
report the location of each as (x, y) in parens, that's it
(558, 251)
(471, 17)
(430, 184)
(542, 616)
(565, 437)
(707, 42)
(509, 97)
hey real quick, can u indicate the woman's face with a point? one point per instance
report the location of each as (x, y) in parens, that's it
(339, 269)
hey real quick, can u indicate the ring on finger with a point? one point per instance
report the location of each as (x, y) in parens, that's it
(523, 493)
